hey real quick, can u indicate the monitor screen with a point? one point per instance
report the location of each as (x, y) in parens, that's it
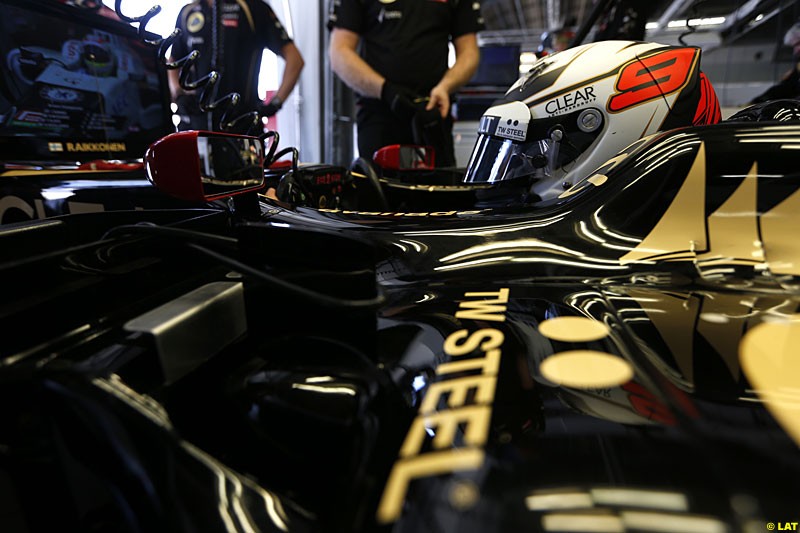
(498, 67)
(76, 86)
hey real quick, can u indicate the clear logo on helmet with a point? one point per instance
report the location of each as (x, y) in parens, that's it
(571, 101)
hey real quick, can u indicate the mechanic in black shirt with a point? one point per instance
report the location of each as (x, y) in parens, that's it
(394, 54)
(244, 29)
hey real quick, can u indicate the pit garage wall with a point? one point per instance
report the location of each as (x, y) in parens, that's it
(300, 121)
(318, 118)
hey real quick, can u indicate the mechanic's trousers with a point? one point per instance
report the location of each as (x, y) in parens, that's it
(379, 127)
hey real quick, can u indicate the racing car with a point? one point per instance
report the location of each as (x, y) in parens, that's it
(591, 328)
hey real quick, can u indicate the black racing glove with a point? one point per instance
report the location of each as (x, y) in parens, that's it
(402, 101)
(270, 108)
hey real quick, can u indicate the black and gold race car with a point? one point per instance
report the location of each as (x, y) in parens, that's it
(594, 327)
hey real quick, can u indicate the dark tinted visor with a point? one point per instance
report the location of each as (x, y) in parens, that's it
(496, 159)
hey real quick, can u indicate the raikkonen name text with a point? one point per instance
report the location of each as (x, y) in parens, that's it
(95, 147)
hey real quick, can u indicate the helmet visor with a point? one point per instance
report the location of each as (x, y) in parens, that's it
(545, 152)
(495, 159)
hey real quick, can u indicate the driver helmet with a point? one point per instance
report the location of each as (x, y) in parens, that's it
(576, 109)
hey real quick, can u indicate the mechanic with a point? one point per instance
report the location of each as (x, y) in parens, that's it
(93, 5)
(625, 20)
(555, 41)
(394, 55)
(789, 86)
(244, 29)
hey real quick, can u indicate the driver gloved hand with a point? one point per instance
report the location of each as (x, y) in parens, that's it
(270, 108)
(400, 100)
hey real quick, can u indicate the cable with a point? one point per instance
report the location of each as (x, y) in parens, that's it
(270, 157)
(320, 298)
(690, 28)
(207, 84)
(149, 227)
(283, 152)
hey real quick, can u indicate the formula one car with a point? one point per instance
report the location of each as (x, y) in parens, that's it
(593, 330)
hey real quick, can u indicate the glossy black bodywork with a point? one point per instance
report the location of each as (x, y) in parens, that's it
(298, 422)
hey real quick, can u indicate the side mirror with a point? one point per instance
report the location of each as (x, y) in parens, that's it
(405, 157)
(203, 165)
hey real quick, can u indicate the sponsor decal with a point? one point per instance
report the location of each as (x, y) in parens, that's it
(195, 22)
(32, 117)
(458, 406)
(10, 202)
(96, 147)
(389, 15)
(60, 94)
(34, 208)
(511, 130)
(55, 147)
(401, 214)
(327, 179)
(571, 101)
(509, 120)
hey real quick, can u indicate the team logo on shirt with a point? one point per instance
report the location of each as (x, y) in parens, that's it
(195, 22)
(230, 20)
(386, 14)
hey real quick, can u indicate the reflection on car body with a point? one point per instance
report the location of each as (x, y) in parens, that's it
(393, 348)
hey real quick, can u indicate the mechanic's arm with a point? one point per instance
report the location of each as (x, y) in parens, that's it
(349, 66)
(467, 57)
(291, 70)
(175, 89)
(786, 88)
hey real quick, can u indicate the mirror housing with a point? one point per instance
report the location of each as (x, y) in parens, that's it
(201, 166)
(405, 157)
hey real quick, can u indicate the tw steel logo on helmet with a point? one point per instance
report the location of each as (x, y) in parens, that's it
(656, 76)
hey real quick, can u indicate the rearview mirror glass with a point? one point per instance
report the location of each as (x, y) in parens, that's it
(204, 165)
(229, 163)
(405, 157)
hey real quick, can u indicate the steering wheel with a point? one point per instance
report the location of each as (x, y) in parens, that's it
(364, 169)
